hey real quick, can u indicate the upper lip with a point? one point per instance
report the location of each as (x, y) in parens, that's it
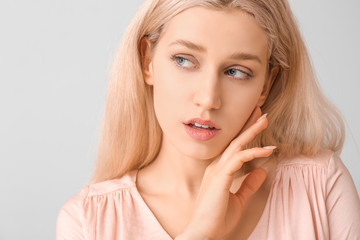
(203, 122)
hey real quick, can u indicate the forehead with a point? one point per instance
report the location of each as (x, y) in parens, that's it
(220, 30)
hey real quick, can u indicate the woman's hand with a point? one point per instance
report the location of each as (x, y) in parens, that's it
(217, 210)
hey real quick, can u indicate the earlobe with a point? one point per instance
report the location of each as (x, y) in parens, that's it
(145, 47)
(267, 86)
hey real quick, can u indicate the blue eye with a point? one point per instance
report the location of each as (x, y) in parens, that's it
(183, 62)
(236, 73)
(180, 60)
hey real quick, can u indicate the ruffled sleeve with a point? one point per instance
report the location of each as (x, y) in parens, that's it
(311, 198)
(112, 209)
(342, 202)
(70, 220)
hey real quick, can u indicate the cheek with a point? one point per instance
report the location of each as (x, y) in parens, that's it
(171, 86)
(168, 95)
(240, 105)
(162, 107)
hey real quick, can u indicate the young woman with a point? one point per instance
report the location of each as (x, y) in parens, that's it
(184, 152)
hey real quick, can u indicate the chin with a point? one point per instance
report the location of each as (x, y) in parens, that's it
(202, 153)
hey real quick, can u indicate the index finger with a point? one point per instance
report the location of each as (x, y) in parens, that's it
(255, 115)
(250, 133)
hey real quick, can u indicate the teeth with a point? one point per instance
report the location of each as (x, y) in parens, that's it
(203, 126)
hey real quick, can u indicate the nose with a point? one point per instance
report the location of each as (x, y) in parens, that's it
(208, 93)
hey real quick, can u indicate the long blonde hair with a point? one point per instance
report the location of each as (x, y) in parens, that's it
(301, 119)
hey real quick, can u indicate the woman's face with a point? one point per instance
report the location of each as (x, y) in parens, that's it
(208, 64)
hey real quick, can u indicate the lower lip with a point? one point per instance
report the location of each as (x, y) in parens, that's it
(201, 135)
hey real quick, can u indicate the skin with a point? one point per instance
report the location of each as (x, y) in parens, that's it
(194, 73)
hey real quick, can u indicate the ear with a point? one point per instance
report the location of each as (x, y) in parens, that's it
(145, 49)
(267, 85)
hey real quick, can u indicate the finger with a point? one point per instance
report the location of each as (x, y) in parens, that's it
(255, 115)
(238, 159)
(249, 134)
(251, 185)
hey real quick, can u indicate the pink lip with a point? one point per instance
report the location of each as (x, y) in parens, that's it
(201, 134)
(202, 122)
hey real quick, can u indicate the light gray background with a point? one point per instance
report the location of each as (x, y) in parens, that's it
(54, 60)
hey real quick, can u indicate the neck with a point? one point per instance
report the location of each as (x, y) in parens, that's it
(173, 174)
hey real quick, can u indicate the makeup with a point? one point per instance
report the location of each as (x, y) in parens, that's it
(200, 134)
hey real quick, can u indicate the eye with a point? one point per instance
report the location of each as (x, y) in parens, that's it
(236, 73)
(183, 62)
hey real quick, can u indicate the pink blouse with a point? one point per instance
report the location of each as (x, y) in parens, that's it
(310, 198)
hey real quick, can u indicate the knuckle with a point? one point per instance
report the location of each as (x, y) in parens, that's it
(249, 154)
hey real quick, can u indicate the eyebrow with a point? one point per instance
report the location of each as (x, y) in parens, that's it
(189, 45)
(245, 56)
(196, 47)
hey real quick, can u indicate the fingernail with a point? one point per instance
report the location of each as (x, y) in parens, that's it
(263, 116)
(270, 147)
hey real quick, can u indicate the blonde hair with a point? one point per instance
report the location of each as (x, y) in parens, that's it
(301, 120)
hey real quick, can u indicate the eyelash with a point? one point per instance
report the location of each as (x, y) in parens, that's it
(175, 58)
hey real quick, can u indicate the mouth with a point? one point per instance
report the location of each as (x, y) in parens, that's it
(201, 124)
(201, 127)
(201, 130)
